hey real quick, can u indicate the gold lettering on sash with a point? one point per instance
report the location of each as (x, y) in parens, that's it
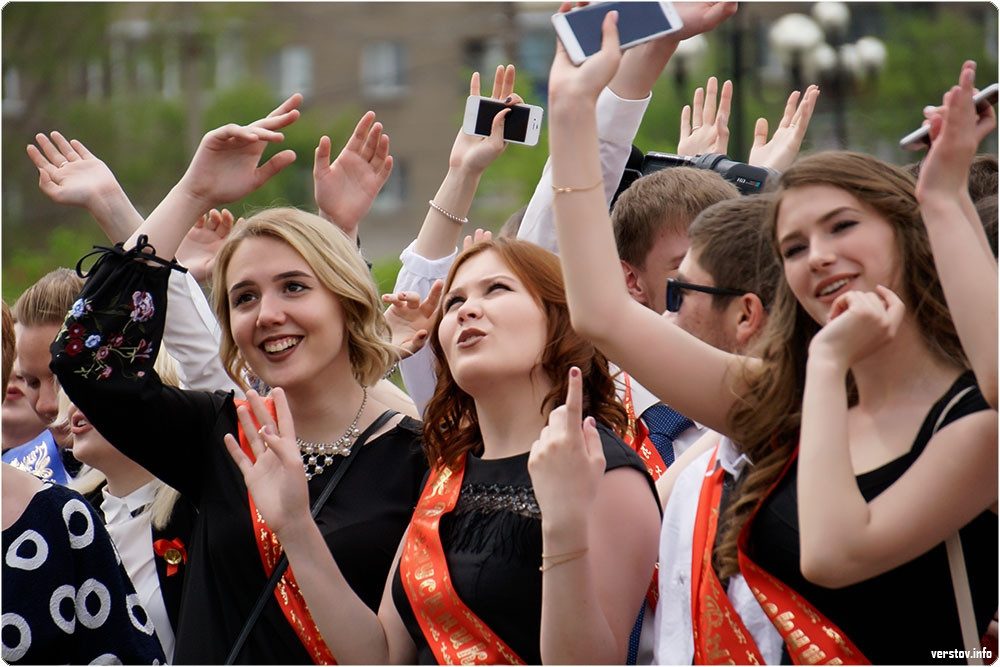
(442, 481)
(473, 655)
(424, 570)
(784, 621)
(797, 639)
(813, 655)
(715, 653)
(459, 637)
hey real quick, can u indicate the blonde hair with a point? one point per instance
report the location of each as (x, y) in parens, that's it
(338, 266)
(89, 478)
(9, 346)
(48, 300)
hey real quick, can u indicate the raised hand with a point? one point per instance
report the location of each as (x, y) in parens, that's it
(346, 189)
(956, 131)
(705, 130)
(224, 168)
(411, 319)
(476, 153)
(783, 148)
(702, 17)
(860, 323)
(199, 248)
(474, 238)
(274, 476)
(569, 84)
(568, 442)
(71, 175)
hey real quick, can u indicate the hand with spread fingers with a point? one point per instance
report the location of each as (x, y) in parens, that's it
(703, 128)
(273, 474)
(225, 165)
(346, 188)
(69, 174)
(780, 152)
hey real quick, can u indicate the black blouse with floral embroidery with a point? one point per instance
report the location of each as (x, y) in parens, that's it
(104, 357)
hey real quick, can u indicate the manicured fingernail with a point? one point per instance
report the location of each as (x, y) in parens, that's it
(574, 372)
(266, 430)
(507, 101)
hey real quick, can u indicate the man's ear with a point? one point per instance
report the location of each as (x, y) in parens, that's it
(751, 318)
(634, 283)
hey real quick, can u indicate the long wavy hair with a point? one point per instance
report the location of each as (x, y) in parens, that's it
(767, 418)
(339, 267)
(451, 426)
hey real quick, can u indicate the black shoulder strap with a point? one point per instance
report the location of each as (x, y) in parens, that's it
(282, 564)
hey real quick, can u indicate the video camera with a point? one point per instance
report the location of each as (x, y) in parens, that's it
(748, 178)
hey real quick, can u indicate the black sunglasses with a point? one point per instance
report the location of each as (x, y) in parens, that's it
(675, 292)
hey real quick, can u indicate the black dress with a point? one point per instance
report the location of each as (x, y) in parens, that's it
(900, 616)
(178, 436)
(66, 597)
(493, 546)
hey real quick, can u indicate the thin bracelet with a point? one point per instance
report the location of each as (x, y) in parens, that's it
(451, 216)
(559, 559)
(563, 191)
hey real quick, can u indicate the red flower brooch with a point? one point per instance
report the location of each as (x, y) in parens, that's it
(173, 552)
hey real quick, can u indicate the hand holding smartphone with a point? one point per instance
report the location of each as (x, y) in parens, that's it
(920, 138)
(579, 29)
(521, 126)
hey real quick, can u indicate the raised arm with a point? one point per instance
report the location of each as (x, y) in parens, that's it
(273, 475)
(224, 169)
(592, 522)
(346, 189)
(71, 175)
(693, 377)
(620, 108)
(705, 128)
(965, 265)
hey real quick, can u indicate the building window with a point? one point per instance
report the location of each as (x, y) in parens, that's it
(392, 197)
(382, 70)
(295, 71)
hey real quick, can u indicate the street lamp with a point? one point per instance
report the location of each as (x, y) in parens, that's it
(817, 46)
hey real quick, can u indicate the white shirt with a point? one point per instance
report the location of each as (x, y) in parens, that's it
(133, 538)
(674, 640)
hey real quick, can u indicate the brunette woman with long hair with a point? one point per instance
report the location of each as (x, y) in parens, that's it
(896, 446)
(524, 547)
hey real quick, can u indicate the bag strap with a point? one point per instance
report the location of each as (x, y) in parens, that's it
(282, 564)
(956, 563)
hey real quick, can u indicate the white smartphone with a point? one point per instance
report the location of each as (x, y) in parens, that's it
(521, 126)
(580, 29)
(920, 137)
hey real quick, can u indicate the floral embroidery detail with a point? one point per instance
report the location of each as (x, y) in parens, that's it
(142, 306)
(93, 341)
(116, 341)
(106, 373)
(102, 353)
(143, 350)
(80, 307)
(76, 330)
(37, 462)
(74, 347)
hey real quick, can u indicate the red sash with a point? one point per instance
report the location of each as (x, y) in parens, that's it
(293, 605)
(637, 436)
(811, 638)
(719, 634)
(453, 632)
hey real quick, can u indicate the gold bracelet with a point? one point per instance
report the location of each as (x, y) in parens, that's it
(563, 191)
(559, 559)
(451, 216)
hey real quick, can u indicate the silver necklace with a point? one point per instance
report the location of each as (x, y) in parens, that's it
(318, 456)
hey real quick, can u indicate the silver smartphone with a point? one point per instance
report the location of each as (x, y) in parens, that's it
(521, 126)
(920, 137)
(580, 29)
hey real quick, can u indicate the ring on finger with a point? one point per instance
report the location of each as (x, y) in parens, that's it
(260, 431)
